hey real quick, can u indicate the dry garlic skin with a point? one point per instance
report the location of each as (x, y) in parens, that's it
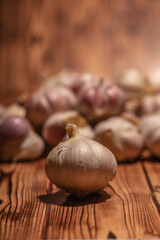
(121, 137)
(80, 166)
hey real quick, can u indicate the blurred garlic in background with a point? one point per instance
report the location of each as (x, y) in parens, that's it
(100, 101)
(14, 131)
(45, 102)
(150, 103)
(53, 130)
(134, 83)
(121, 137)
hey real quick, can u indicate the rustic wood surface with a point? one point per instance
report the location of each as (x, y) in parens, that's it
(38, 38)
(32, 208)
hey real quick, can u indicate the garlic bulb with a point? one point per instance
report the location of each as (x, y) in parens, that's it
(45, 102)
(53, 130)
(79, 165)
(121, 137)
(100, 101)
(150, 104)
(31, 148)
(18, 141)
(150, 129)
(13, 130)
(134, 83)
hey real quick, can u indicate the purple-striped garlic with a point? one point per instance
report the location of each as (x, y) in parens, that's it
(100, 101)
(17, 139)
(45, 102)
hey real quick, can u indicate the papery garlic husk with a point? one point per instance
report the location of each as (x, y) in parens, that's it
(150, 129)
(100, 101)
(31, 148)
(134, 83)
(79, 165)
(45, 102)
(121, 137)
(13, 110)
(13, 130)
(150, 104)
(53, 130)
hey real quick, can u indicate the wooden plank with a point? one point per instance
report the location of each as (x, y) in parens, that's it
(34, 209)
(152, 172)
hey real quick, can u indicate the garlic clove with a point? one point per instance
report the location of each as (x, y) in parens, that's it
(79, 165)
(121, 137)
(31, 148)
(53, 130)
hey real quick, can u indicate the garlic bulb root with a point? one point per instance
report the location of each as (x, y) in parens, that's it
(79, 165)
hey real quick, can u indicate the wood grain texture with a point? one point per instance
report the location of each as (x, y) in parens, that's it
(40, 37)
(32, 208)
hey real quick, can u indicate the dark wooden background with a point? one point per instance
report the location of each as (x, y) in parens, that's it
(38, 38)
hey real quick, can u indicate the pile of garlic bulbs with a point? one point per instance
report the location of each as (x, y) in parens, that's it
(91, 124)
(108, 113)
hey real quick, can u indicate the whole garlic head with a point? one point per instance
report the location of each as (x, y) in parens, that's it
(53, 130)
(150, 129)
(121, 137)
(102, 100)
(44, 102)
(79, 165)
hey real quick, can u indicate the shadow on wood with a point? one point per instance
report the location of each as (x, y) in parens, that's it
(62, 198)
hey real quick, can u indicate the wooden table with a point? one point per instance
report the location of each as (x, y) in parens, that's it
(32, 208)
